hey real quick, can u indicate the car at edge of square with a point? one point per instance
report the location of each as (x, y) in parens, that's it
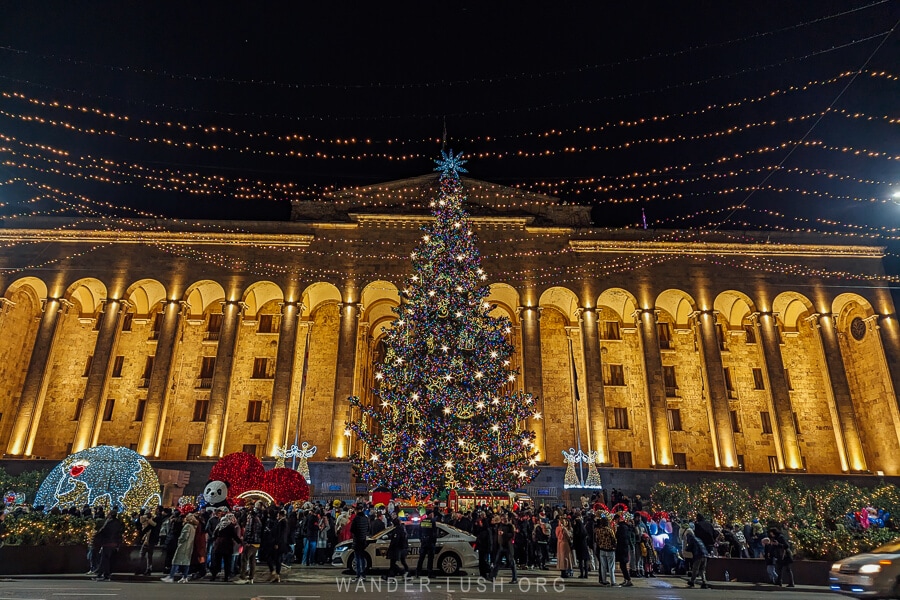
(874, 574)
(454, 551)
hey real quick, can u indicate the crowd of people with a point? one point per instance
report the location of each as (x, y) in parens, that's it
(204, 544)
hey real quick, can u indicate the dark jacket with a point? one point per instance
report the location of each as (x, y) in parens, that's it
(623, 545)
(705, 533)
(428, 531)
(580, 541)
(399, 541)
(253, 529)
(224, 538)
(359, 530)
(312, 526)
(110, 534)
(484, 539)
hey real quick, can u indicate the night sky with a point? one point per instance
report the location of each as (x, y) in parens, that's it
(535, 94)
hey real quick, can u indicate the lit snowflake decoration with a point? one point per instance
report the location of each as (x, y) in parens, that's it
(450, 164)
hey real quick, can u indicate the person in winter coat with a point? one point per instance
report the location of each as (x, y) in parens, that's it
(342, 525)
(541, 537)
(768, 555)
(225, 536)
(276, 544)
(580, 545)
(427, 541)
(648, 555)
(505, 534)
(312, 537)
(172, 529)
(199, 562)
(397, 548)
(623, 547)
(564, 560)
(695, 544)
(181, 560)
(605, 539)
(252, 540)
(325, 533)
(108, 538)
(359, 531)
(145, 537)
(784, 557)
(484, 545)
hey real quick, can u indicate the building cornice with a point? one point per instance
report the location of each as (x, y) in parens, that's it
(193, 238)
(401, 220)
(705, 248)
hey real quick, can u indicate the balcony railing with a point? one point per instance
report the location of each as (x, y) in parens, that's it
(204, 383)
(212, 336)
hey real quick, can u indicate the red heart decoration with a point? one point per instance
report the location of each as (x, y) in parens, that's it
(76, 470)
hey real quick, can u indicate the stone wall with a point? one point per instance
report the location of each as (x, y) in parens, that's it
(873, 397)
(625, 352)
(67, 376)
(318, 399)
(15, 349)
(817, 424)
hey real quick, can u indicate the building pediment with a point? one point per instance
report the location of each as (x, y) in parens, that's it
(411, 197)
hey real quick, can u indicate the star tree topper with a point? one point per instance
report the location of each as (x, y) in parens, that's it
(449, 164)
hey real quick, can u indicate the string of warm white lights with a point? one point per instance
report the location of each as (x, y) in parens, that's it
(593, 184)
(295, 153)
(500, 78)
(124, 120)
(361, 196)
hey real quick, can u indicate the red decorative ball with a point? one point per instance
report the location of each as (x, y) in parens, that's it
(286, 485)
(240, 470)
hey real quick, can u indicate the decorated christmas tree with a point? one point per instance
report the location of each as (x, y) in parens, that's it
(445, 415)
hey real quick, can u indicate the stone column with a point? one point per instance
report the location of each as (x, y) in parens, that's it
(160, 378)
(532, 372)
(34, 388)
(220, 389)
(788, 446)
(660, 441)
(843, 401)
(714, 374)
(888, 328)
(284, 376)
(87, 432)
(593, 384)
(343, 381)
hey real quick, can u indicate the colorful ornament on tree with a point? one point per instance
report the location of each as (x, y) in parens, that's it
(106, 476)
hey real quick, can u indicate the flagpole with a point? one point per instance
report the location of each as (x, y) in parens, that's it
(573, 379)
(302, 394)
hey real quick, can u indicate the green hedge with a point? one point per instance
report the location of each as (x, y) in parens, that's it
(815, 516)
(26, 483)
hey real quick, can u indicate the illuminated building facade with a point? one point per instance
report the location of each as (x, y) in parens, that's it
(665, 349)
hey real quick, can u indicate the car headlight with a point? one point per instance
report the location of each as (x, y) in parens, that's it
(835, 567)
(870, 569)
(340, 549)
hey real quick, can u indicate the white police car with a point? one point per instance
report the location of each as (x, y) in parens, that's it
(454, 551)
(874, 574)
